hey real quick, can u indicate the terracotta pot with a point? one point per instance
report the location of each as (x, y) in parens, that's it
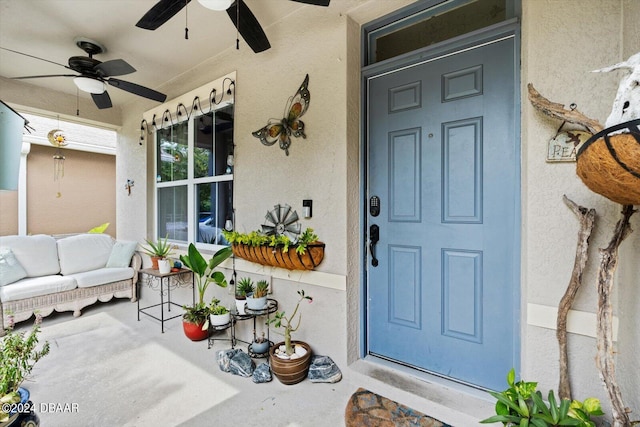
(194, 331)
(290, 371)
(154, 262)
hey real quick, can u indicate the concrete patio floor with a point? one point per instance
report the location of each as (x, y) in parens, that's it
(135, 375)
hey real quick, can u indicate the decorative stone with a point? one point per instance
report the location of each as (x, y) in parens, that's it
(323, 370)
(300, 351)
(223, 357)
(241, 364)
(262, 374)
(282, 355)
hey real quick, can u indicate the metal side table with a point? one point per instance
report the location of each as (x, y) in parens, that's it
(153, 279)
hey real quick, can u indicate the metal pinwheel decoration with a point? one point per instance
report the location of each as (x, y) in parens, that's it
(281, 220)
(290, 125)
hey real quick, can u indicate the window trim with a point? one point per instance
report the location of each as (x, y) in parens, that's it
(204, 106)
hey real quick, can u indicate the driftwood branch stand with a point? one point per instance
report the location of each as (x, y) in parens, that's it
(606, 270)
(587, 219)
(604, 357)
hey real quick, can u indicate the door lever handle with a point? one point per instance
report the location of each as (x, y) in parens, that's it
(374, 236)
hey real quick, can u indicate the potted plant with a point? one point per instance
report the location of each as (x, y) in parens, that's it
(18, 356)
(303, 253)
(521, 404)
(258, 299)
(219, 314)
(260, 345)
(243, 288)
(195, 321)
(157, 251)
(289, 359)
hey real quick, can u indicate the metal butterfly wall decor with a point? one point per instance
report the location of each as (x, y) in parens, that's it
(290, 125)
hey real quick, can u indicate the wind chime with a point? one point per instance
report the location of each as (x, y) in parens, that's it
(58, 140)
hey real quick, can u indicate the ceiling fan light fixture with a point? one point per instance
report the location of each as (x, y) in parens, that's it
(216, 4)
(90, 85)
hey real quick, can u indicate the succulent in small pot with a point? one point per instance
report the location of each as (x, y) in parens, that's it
(157, 250)
(258, 300)
(260, 345)
(243, 288)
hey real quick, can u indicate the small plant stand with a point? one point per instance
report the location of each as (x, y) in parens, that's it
(164, 283)
(272, 307)
(214, 329)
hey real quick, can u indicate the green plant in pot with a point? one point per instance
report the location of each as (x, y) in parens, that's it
(290, 359)
(157, 250)
(522, 405)
(18, 355)
(196, 317)
(219, 314)
(244, 287)
(258, 299)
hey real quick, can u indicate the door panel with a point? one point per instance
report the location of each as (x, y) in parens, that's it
(443, 158)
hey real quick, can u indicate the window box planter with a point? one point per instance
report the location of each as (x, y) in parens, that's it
(277, 257)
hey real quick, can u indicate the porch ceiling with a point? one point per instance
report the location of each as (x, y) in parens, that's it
(47, 29)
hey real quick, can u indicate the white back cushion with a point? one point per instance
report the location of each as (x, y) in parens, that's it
(37, 254)
(84, 252)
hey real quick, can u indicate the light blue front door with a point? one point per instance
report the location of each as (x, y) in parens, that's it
(443, 159)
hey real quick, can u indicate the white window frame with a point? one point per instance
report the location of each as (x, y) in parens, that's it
(203, 93)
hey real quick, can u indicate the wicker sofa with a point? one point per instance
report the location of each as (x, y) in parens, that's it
(40, 274)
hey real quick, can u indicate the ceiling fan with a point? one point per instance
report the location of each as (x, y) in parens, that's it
(240, 14)
(93, 74)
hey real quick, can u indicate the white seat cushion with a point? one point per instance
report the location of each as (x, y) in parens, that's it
(84, 252)
(101, 276)
(37, 254)
(36, 286)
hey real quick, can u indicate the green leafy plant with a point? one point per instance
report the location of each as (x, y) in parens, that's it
(19, 355)
(522, 405)
(281, 321)
(244, 287)
(216, 308)
(161, 248)
(262, 289)
(204, 274)
(258, 238)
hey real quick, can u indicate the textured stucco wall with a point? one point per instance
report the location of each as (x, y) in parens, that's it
(562, 41)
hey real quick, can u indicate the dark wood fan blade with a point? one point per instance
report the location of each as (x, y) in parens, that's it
(44, 76)
(314, 2)
(115, 67)
(250, 29)
(35, 57)
(161, 13)
(102, 100)
(136, 89)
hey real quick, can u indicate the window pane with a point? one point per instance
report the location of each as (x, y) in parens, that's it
(441, 22)
(172, 152)
(213, 144)
(213, 206)
(172, 213)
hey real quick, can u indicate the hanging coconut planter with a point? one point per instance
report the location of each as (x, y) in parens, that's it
(278, 257)
(280, 243)
(609, 163)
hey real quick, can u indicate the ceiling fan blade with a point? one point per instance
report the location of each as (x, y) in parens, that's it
(115, 67)
(35, 57)
(44, 76)
(161, 13)
(314, 2)
(136, 89)
(250, 29)
(102, 100)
